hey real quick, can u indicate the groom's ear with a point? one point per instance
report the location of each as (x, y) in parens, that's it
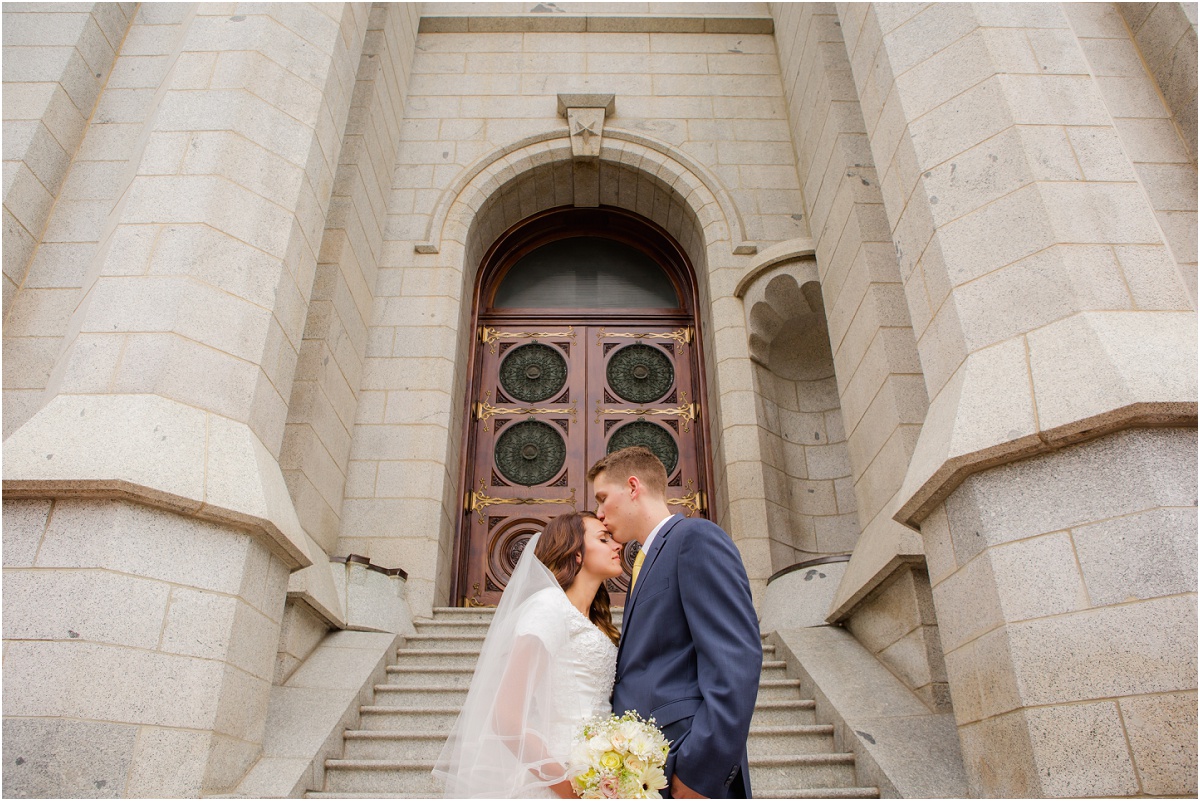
(635, 486)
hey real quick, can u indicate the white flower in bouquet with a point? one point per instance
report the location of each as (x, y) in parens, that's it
(619, 757)
(630, 729)
(641, 745)
(598, 744)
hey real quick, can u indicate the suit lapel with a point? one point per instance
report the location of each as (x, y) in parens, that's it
(647, 563)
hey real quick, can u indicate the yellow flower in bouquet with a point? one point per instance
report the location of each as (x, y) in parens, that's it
(619, 757)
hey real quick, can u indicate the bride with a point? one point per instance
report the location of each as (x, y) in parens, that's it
(547, 665)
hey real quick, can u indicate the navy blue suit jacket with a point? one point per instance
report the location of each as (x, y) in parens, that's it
(691, 655)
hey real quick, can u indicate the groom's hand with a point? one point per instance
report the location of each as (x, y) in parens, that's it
(681, 790)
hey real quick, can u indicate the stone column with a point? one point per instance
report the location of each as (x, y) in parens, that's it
(149, 531)
(56, 59)
(1053, 325)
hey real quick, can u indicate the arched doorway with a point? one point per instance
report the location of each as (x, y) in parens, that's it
(585, 342)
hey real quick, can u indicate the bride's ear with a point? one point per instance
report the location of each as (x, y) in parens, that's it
(579, 557)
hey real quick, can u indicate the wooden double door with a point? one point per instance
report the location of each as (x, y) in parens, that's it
(550, 398)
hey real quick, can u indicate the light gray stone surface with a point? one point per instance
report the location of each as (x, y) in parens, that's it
(162, 623)
(167, 454)
(1162, 738)
(47, 757)
(300, 632)
(308, 713)
(1052, 616)
(92, 605)
(801, 598)
(899, 744)
(24, 524)
(1138, 556)
(169, 762)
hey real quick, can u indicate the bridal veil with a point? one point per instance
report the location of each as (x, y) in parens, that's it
(511, 737)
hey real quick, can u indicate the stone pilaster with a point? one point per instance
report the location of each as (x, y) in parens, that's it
(1049, 311)
(159, 437)
(882, 396)
(1065, 586)
(56, 60)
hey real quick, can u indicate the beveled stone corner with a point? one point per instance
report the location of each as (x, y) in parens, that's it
(159, 452)
(570, 100)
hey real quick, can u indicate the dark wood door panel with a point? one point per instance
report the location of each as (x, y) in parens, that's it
(552, 398)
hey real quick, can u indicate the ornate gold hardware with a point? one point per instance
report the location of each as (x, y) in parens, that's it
(694, 501)
(483, 410)
(473, 602)
(683, 335)
(478, 501)
(488, 336)
(688, 411)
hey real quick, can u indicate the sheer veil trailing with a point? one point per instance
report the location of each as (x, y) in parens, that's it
(511, 737)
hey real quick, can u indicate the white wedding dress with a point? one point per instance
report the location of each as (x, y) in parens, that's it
(544, 670)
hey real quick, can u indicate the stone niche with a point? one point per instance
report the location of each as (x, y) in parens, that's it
(806, 466)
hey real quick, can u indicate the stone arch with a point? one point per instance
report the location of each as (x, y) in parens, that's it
(482, 178)
(535, 174)
(810, 487)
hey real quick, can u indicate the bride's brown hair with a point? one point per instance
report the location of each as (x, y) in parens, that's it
(557, 548)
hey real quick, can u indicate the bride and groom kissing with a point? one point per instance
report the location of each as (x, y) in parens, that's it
(689, 655)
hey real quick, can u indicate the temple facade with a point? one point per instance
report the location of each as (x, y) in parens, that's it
(315, 313)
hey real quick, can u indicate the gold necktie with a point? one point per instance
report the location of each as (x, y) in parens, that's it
(637, 566)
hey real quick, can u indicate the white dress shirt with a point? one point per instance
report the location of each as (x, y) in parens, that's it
(653, 532)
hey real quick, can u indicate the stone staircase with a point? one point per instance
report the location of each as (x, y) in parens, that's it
(402, 732)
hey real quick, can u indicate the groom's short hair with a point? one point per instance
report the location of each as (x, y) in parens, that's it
(633, 461)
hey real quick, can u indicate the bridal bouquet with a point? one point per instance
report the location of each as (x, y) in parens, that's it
(619, 757)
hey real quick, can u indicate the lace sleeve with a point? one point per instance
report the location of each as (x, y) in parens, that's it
(545, 617)
(519, 719)
(503, 744)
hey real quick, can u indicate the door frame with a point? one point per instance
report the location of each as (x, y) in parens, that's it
(542, 228)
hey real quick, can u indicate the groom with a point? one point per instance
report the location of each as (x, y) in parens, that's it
(690, 653)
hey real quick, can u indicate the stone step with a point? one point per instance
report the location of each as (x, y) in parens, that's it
(444, 613)
(815, 792)
(437, 657)
(405, 729)
(434, 642)
(457, 665)
(427, 718)
(772, 671)
(444, 627)
(410, 676)
(766, 773)
(802, 712)
(457, 668)
(389, 794)
(791, 771)
(381, 775)
(391, 695)
(414, 745)
(784, 740)
(778, 689)
(419, 745)
(461, 613)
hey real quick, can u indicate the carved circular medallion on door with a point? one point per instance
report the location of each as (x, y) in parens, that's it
(533, 372)
(506, 546)
(530, 453)
(640, 373)
(648, 435)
